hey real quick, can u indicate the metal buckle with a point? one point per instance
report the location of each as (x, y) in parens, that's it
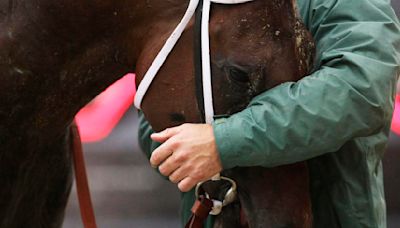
(230, 195)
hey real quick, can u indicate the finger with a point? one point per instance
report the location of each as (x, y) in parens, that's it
(187, 184)
(169, 166)
(179, 174)
(161, 154)
(165, 135)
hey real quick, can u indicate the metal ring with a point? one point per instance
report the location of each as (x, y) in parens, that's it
(231, 181)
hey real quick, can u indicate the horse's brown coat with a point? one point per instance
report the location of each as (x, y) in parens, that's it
(55, 56)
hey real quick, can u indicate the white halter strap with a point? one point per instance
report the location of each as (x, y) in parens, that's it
(170, 44)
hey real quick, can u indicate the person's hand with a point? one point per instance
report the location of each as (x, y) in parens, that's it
(188, 154)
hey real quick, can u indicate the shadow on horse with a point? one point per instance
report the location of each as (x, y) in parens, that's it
(56, 56)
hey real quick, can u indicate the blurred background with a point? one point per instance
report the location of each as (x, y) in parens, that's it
(127, 192)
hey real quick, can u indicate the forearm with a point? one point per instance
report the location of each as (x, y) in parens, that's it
(284, 126)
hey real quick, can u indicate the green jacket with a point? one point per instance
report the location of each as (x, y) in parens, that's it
(338, 118)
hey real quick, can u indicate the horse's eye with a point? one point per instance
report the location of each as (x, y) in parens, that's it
(239, 75)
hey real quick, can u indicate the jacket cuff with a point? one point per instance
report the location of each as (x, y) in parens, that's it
(225, 145)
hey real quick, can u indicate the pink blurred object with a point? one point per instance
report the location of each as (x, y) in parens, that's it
(396, 116)
(97, 119)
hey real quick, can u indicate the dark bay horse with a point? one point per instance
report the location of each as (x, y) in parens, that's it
(56, 56)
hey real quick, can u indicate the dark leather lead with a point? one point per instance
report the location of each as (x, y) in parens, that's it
(200, 211)
(82, 186)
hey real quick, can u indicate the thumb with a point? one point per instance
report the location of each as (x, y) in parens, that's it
(165, 135)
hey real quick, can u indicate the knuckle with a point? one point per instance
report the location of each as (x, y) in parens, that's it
(197, 175)
(200, 174)
(178, 158)
(175, 144)
(181, 157)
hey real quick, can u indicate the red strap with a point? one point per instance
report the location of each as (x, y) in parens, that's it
(82, 186)
(200, 211)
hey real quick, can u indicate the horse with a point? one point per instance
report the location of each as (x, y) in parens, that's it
(56, 56)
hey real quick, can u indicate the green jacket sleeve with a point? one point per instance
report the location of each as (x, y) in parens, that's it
(146, 144)
(349, 95)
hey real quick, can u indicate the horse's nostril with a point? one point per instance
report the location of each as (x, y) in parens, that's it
(177, 117)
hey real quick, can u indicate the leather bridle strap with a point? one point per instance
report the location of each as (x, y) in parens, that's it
(82, 186)
(198, 70)
(200, 211)
(205, 50)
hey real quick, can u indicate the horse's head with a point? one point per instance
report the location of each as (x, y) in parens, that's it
(254, 47)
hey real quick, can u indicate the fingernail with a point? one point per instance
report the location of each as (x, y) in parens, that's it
(154, 166)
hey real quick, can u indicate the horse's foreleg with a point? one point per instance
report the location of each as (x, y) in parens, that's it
(35, 179)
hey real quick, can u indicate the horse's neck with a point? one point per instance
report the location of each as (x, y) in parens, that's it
(66, 52)
(62, 30)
